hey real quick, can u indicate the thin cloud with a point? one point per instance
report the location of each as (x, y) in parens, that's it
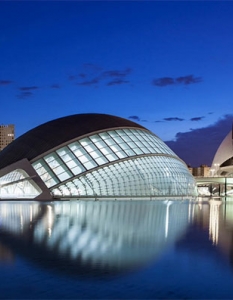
(26, 92)
(197, 118)
(199, 146)
(28, 88)
(182, 80)
(82, 75)
(173, 119)
(55, 86)
(94, 75)
(135, 118)
(72, 77)
(117, 82)
(25, 95)
(92, 67)
(117, 73)
(189, 79)
(163, 81)
(5, 82)
(91, 82)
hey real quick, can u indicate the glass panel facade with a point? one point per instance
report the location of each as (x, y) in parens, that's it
(110, 163)
(144, 176)
(45, 173)
(18, 184)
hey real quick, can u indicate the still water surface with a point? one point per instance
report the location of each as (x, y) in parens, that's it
(116, 250)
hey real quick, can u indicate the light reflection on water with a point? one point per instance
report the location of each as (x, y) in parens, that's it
(116, 249)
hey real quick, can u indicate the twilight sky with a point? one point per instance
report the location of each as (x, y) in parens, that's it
(166, 65)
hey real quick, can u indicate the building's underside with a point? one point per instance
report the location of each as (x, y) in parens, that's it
(92, 155)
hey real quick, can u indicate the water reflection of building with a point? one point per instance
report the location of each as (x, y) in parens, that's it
(214, 220)
(216, 217)
(92, 155)
(207, 216)
(6, 255)
(112, 235)
(226, 229)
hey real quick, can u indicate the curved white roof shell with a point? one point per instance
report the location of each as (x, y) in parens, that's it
(223, 154)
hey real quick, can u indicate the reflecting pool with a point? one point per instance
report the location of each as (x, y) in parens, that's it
(164, 249)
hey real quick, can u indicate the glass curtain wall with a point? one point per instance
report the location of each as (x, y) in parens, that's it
(124, 162)
(18, 184)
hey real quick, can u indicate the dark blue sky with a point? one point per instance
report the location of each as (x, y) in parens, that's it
(167, 65)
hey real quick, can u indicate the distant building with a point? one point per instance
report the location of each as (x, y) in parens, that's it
(7, 135)
(202, 171)
(190, 169)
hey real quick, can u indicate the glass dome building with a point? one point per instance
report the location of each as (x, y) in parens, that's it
(92, 155)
